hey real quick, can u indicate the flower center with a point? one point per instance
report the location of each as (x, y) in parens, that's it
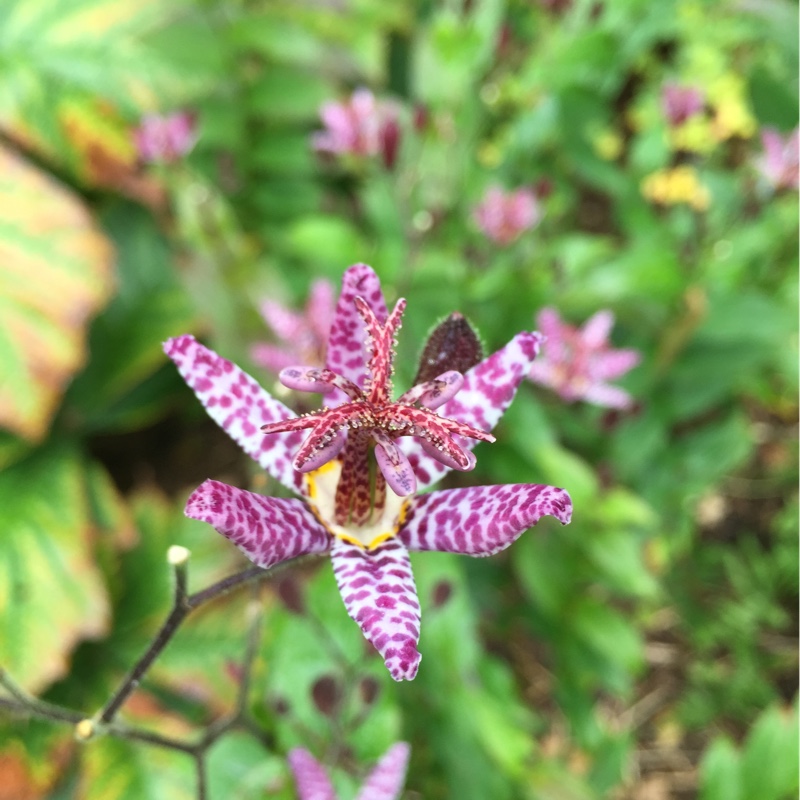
(321, 488)
(369, 421)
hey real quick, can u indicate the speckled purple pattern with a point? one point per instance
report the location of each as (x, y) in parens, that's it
(379, 594)
(310, 777)
(267, 530)
(346, 354)
(386, 780)
(489, 387)
(239, 406)
(481, 520)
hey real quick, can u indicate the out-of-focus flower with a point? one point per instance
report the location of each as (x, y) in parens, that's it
(360, 126)
(367, 518)
(727, 96)
(680, 103)
(505, 216)
(577, 362)
(165, 138)
(385, 782)
(303, 336)
(675, 185)
(779, 163)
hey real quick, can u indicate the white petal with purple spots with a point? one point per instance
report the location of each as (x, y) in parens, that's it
(489, 387)
(379, 593)
(267, 530)
(239, 406)
(346, 354)
(480, 520)
(310, 777)
(386, 780)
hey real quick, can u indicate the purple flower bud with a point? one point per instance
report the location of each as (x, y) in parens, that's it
(390, 142)
(679, 103)
(505, 216)
(360, 126)
(453, 345)
(326, 694)
(165, 138)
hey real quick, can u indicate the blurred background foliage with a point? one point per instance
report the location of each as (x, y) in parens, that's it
(649, 649)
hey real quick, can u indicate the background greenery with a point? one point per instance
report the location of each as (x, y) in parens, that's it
(649, 649)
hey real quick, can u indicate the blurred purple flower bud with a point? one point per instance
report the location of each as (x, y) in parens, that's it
(291, 594)
(390, 142)
(505, 216)
(165, 138)
(442, 593)
(370, 689)
(679, 103)
(778, 164)
(360, 126)
(421, 118)
(326, 693)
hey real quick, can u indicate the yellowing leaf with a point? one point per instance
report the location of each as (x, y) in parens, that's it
(51, 591)
(55, 274)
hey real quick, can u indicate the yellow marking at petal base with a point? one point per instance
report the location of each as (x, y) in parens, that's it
(313, 477)
(321, 493)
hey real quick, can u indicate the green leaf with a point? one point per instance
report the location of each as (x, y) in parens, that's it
(287, 94)
(770, 757)
(608, 633)
(240, 767)
(720, 772)
(55, 273)
(113, 769)
(325, 239)
(126, 338)
(51, 592)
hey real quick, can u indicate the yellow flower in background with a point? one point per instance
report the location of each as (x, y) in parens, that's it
(608, 145)
(732, 115)
(693, 136)
(675, 185)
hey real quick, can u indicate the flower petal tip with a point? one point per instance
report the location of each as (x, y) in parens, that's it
(560, 506)
(403, 663)
(178, 345)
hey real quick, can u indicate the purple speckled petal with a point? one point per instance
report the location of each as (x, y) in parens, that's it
(267, 530)
(386, 780)
(489, 387)
(481, 520)
(239, 406)
(310, 777)
(346, 355)
(379, 593)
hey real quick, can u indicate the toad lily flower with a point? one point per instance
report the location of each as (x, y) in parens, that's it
(505, 216)
(385, 782)
(303, 335)
(578, 362)
(346, 510)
